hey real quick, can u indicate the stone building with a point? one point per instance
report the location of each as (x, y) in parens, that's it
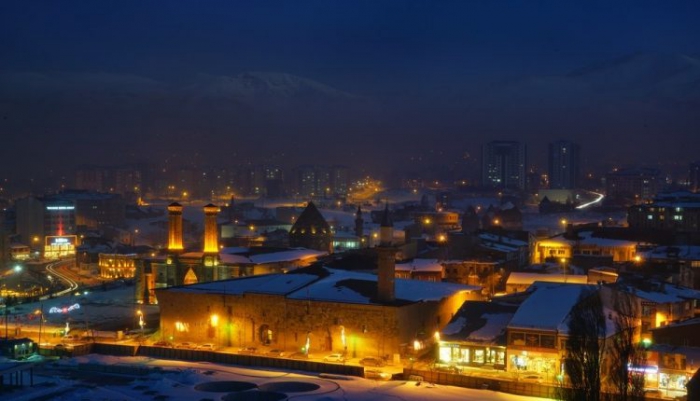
(316, 309)
(311, 231)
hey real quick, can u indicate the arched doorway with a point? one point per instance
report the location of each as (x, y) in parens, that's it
(265, 334)
(190, 277)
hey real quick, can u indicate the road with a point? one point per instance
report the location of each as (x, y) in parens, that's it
(599, 198)
(57, 270)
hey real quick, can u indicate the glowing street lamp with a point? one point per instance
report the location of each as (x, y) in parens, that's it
(142, 323)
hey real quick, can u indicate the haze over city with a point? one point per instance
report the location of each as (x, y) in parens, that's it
(280, 82)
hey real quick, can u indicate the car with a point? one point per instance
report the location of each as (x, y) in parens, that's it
(377, 374)
(163, 344)
(448, 368)
(530, 377)
(206, 347)
(299, 355)
(248, 350)
(372, 361)
(334, 358)
(275, 352)
(186, 345)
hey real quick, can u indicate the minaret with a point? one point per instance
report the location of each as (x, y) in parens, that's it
(211, 235)
(359, 222)
(175, 228)
(386, 254)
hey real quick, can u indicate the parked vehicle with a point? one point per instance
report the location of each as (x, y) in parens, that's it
(275, 352)
(299, 355)
(163, 344)
(334, 358)
(186, 345)
(531, 377)
(248, 350)
(206, 347)
(377, 374)
(371, 361)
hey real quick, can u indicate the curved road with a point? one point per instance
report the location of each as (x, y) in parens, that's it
(72, 284)
(599, 198)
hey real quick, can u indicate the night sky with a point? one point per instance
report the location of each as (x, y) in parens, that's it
(372, 84)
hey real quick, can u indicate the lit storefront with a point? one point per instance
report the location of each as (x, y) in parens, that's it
(472, 355)
(59, 246)
(533, 352)
(117, 265)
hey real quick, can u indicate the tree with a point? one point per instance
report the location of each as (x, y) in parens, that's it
(625, 350)
(585, 348)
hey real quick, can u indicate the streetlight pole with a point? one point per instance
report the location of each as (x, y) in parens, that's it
(41, 324)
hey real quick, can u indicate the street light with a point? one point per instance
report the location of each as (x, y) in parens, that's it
(40, 312)
(142, 323)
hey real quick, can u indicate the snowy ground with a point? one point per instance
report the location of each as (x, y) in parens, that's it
(176, 380)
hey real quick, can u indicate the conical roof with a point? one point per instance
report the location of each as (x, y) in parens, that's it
(311, 218)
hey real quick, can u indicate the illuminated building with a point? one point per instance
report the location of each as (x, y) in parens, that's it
(63, 214)
(476, 335)
(632, 186)
(564, 165)
(584, 243)
(183, 267)
(59, 246)
(677, 211)
(334, 310)
(504, 164)
(117, 265)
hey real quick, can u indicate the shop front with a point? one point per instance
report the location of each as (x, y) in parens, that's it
(472, 355)
(548, 364)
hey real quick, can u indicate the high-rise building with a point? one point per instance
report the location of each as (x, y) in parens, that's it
(504, 165)
(564, 165)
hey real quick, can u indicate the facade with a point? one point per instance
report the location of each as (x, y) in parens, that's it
(311, 231)
(677, 211)
(585, 243)
(315, 309)
(564, 165)
(504, 165)
(180, 267)
(117, 265)
(476, 336)
(421, 269)
(536, 335)
(632, 186)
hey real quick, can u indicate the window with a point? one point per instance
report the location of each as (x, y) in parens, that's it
(547, 342)
(479, 356)
(517, 338)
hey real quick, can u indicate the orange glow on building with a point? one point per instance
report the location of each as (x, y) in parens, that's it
(211, 235)
(175, 227)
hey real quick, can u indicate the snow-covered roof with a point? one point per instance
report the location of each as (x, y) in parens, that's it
(331, 285)
(666, 293)
(286, 256)
(501, 239)
(482, 322)
(687, 252)
(422, 265)
(586, 237)
(548, 306)
(520, 278)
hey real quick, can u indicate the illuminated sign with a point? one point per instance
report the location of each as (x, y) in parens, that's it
(61, 240)
(60, 207)
(65, 309)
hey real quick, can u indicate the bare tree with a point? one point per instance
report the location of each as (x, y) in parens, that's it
(625, 350)
(585, 349)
